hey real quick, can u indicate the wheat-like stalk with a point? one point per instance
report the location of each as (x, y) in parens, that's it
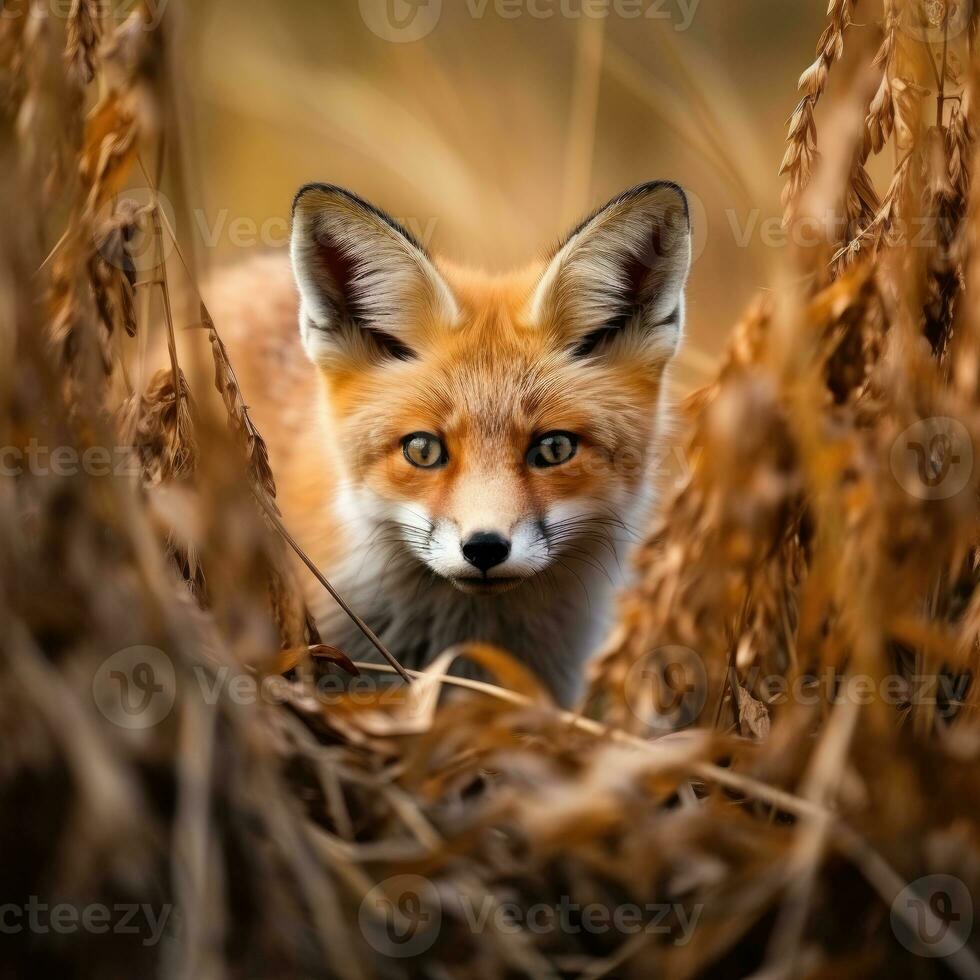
(801, 152)
(807, 551)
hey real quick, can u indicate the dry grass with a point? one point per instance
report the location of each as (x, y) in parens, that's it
(805, 553)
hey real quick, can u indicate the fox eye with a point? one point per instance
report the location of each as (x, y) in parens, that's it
(424, 450)
(552, 449)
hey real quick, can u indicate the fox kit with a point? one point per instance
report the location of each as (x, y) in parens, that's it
(464, 456)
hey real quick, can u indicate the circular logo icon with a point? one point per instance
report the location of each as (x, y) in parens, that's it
(933, 458)
(401, 21)
(932, 21)
(699, 225)
(672, 225)
(127, 238)
(933, 916)
(136, 687)
(401, 916)
(667, 688)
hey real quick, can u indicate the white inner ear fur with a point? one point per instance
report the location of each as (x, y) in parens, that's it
(393, 285)
(587, 283)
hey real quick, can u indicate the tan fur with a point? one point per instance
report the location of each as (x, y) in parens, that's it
(488, 376)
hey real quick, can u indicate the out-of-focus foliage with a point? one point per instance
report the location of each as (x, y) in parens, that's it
(776, 765)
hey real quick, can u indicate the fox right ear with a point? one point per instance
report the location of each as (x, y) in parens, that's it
(368, 290)
(616, 284)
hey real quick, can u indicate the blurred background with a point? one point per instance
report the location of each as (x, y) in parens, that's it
(488, 127)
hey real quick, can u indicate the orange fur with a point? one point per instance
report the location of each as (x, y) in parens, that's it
(488, 380)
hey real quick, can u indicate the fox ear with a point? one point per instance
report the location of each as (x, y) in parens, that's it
(617, 282)
(367, 287)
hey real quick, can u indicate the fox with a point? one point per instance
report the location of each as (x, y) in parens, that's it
(467, 456)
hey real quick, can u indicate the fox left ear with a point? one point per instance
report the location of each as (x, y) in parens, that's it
(368, 289)
(619, 278)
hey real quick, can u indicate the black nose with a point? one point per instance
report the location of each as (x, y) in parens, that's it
(485, 549)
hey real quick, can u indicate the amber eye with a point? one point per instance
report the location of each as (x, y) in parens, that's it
(424, 450)
(552, 449)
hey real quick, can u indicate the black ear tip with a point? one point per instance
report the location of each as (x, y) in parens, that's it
(684, 199)
(664, 188)
(321, 188)
(350, 198)
(676, 212)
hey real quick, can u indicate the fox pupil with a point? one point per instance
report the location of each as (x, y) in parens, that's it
(552, 450)
(423, 450)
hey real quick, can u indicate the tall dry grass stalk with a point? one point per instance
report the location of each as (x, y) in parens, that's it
(723, 775)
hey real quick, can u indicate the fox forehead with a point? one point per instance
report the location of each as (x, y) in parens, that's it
(409, 342)
(492, 376)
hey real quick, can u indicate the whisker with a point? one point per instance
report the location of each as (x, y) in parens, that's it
(562, 564)
(587, 559)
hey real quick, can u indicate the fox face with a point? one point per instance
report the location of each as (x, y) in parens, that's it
(496, 427)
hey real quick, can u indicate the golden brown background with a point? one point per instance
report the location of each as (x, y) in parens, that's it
(497, 130)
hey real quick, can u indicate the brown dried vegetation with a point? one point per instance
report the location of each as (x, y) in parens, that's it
(813, 545)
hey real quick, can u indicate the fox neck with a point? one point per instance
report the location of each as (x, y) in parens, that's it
(551, 623)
